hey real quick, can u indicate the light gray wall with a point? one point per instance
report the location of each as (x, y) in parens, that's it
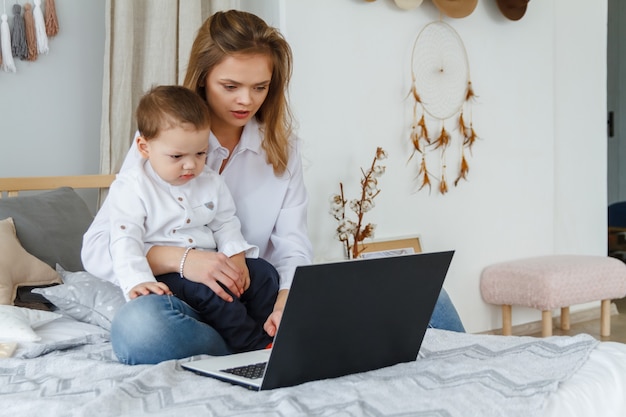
(50, 109)
(268, 10)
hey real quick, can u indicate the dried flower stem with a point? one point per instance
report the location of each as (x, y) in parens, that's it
(361, 234)
(349, 232)
(346, 242)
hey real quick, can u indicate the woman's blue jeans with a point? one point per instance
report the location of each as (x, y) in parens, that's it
(155, 328)
(445, 316)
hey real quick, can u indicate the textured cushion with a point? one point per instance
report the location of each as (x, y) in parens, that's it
(17, 323)
(85, 297)
(50, 225)
(556, 281)
(18, 267)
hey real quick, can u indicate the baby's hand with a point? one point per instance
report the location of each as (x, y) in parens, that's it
(146, 288)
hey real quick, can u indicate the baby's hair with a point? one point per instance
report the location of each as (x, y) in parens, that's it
(169, 106)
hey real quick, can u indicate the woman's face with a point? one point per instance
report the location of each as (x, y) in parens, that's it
(236, 88)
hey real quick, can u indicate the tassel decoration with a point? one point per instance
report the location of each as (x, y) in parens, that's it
(18, 34)
(40, 29)
(8, 65)
(52, 23)
(31, 35)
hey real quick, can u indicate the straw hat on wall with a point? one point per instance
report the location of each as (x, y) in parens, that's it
(408, 4)
(456, 8)
(513, 9)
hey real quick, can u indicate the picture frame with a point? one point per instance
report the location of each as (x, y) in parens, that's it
(393, 247)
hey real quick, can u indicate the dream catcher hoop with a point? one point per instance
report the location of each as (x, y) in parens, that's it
(442, 93)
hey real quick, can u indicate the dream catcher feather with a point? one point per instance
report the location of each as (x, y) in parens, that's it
(442, 116)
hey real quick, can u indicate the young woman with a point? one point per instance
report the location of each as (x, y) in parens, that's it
(241, 67)
(173, 198)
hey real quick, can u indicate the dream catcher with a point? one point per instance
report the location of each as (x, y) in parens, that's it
(442, 116)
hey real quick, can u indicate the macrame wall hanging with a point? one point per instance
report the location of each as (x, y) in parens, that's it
(29, 34)
(442, 115)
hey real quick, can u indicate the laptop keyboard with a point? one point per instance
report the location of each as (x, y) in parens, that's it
(252, 371)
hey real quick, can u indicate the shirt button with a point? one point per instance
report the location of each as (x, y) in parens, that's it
(180, 199)
(123, 227)
(188, 221)
(190, 240)
(174, 231)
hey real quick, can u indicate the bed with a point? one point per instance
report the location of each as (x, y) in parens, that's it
(63, 365)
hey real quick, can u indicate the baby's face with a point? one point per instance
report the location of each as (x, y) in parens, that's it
(177, 154)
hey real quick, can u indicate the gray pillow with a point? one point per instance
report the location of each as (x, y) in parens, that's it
(50, 225)
(85, 298)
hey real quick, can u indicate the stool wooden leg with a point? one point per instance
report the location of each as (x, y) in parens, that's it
(507, 328)
(605, 318)
(565, 324)
(546, 323)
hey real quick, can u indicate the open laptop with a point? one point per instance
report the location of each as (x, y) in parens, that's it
(342, 318)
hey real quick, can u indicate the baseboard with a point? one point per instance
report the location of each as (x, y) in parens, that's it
(575, 317)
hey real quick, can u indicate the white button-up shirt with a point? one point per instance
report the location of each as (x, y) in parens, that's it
(272, 209)
(147, 211)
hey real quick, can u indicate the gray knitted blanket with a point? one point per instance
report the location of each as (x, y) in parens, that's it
(454, 375)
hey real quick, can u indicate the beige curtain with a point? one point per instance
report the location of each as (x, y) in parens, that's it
(147, 43)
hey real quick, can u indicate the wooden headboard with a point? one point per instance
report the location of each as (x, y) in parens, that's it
(13, 186)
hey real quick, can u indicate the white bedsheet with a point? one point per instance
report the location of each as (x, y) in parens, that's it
(597, 389)
(456, 375)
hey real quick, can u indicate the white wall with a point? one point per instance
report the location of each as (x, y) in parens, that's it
(50, 108)
(537, 181)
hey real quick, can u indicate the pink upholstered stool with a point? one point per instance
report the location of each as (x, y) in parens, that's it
(556, 281)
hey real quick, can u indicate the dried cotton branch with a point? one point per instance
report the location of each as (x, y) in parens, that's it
(349, 232)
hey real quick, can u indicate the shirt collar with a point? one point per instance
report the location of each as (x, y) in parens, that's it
(251, 139)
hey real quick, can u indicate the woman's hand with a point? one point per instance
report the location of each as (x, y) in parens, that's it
(240, 260)
(273, 321)
(213, 269)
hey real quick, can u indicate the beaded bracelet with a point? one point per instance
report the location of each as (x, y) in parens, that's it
(182, 261)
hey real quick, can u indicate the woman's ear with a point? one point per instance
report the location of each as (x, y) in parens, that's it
(142, 147)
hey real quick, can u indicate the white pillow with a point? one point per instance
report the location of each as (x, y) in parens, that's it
(85, 298)
(17, 323)
(61, 334)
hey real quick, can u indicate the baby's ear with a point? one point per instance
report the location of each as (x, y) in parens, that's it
(142, 146)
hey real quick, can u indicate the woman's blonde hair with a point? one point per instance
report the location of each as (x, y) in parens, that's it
(235, 32)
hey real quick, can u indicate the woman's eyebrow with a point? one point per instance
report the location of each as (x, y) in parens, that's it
(228, 80)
